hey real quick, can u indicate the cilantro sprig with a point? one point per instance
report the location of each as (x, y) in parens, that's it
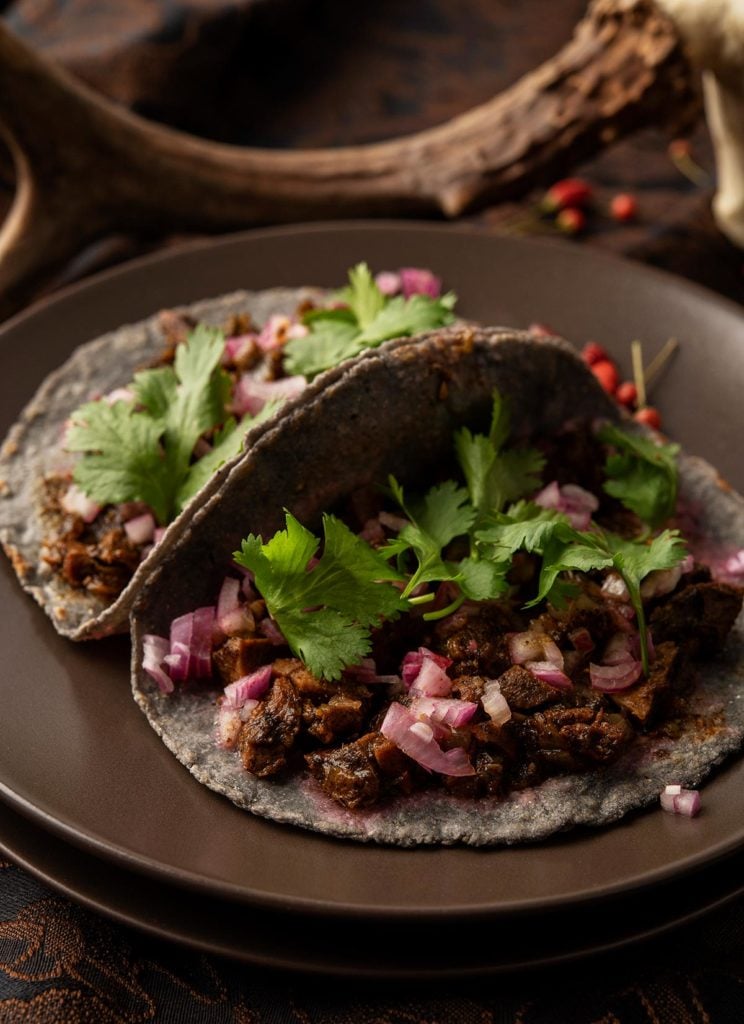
(366, 319)
(641, 474)
(142, 450)
(325, 612)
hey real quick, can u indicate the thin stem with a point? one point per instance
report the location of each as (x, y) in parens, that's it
(639, 379)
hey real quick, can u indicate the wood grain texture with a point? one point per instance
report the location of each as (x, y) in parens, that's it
(86, 168)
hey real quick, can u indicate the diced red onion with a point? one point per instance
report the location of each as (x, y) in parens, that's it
(610, 678)
(688, 563)
(237, 347)
(575, 503)
(548, 673)
(252, 393)
(228, 723)
(399, 726)
(618, 650)
(232, 616)
(444, 710)
(388, 282)
(158, 534)
(417, 281)
(613, 585)
(734, 564)
(274, 332)
(118, 395)
(393, 522)
(532, 647)
(154, 650)
(297, 331)
(413, 661)
(191, 645)
(431, 680)
(373, 533)
(141, 529)
(249, 687)
(494, 703)
(272, 632)
(77, 503)
(681, 801)
(246, 586)
(660, 582)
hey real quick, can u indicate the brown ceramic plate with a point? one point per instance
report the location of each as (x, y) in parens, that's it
(78, 757)
(327, 945)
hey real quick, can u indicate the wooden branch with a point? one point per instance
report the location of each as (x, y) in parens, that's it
(86, 167)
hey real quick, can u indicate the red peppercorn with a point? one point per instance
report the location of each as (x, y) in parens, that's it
(649, 416)
(570, 192)
(626, 393)
(593, 353)
(571, 221)
(624, 207)
(607, 375)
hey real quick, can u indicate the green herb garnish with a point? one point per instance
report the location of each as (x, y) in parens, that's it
(368, 319)
(325, 612)
(642, 474)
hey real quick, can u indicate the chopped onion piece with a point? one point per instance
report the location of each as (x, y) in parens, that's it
(118, 395)
(417, 281)
(191, 645)
(158, 534)
(431, 680)
(77, 503)
(274, 332)
(609, 678)
(237, 347)
(613, 585)
(272, 632)
(141, 529)
(575, 503)
(228, 725)
(524, 647)
(154, 650)
(681, 801)
(444, 710)
(399, 727)
(548, 673)
(412, 662)
(252, 393)
(388, 282)
(660, 582)
(393, 522)
(494, 703)
(249, 687)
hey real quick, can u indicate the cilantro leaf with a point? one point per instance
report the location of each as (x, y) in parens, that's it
(142, 450)
(493, 476)
(525, 527)
(482, 580)
(124, 460)
(443, 515)
(326, 613)
(642, 474)
(227, 443)
(368, 320)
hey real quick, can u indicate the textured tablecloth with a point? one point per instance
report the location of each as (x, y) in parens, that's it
(327, 72)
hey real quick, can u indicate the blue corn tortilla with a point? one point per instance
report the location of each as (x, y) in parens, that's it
(33, 449)
(394, 411)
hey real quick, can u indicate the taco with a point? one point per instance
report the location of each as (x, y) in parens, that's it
(529, 644)
(136, 425)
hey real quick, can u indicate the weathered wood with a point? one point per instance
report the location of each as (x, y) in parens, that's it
(86, 168)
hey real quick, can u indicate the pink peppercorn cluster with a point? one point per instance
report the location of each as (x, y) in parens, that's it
(570, 200)
(623, 391)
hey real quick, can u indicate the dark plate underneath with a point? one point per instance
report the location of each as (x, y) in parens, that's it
(78, 757)
(360, 949)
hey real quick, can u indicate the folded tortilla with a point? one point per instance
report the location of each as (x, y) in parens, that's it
(394, 411)
(33, 449)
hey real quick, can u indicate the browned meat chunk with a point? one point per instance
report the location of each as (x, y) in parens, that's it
(468, 688)
(357, 774)
(697, 617)
(340, 716)
(479, 647)
(646, 699)
(566, 739)
(525, 691)
(271, 729)
(238, 656)
(103, 568)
